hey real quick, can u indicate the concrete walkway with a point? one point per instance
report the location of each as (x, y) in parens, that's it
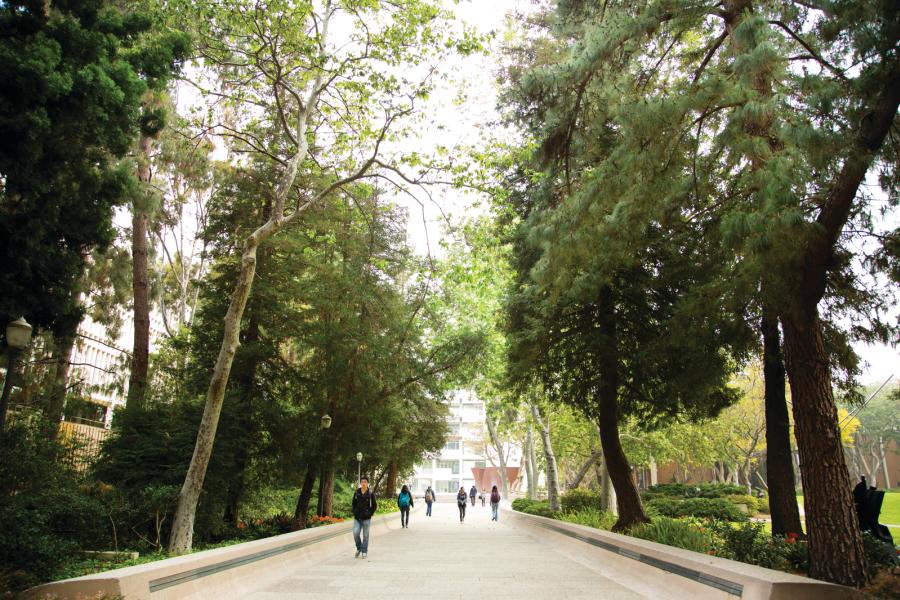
(439, 558)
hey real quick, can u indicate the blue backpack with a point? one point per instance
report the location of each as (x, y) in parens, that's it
(404, 500)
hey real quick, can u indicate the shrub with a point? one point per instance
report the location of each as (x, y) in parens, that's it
(749, 543)
(591, 517)
(540, 508)
(579, 499)
(520, 504)
(763, 504)
(687, 490)
(674, 532)
(707, 508)
(879, 554)
(750, 502)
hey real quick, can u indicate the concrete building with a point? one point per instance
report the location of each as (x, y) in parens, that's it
(466, 449)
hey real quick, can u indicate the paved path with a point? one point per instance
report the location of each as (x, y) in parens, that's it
(439, 558)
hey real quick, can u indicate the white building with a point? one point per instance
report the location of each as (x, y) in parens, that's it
(100, 366)
(465, 449)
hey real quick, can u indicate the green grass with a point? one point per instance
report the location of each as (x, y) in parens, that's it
(890, 510)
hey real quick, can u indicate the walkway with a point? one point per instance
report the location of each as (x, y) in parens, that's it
(438, 558)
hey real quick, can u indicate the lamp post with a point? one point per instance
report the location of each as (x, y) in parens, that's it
(18, 336)
(325, 423)
(358, 469)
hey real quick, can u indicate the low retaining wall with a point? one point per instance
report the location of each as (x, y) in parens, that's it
(213, 573)
(735, 579)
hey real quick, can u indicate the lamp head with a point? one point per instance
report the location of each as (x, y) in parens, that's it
(359, 457)
(326, 422)
(18, 334)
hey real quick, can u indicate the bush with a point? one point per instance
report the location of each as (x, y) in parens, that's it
(46, 513)
(591, 517)
(749, 543)
(674, 532)
(579, 499)
(750, 502)
(520, 504)
(687, 490)
(879, 555)
(540, 508)
(763, 504)
(707, 508)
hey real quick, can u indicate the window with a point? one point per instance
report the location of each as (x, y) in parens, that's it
(451, 446)
(453, 465)
(479, 464)
(446, 487)
(453, 429)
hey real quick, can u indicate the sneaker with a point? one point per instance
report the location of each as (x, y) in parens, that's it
(358, 552)
(364, 555)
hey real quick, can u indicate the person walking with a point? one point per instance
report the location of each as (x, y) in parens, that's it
(495, 504)
(429, 500)
(363, 507)
(461, 501)
(472, 493)
(481, 497)
(405, 502)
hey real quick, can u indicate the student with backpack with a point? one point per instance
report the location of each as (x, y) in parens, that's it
(429, 500)
(461, 501)
(472, 493)
(405, 502)
(495, 504)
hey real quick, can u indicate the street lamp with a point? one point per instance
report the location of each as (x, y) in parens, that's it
(326, 422)
(359, 468)
(18, 336)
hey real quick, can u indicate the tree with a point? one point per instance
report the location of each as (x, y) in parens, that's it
(777, 179)
(70, 106)
(283, 61)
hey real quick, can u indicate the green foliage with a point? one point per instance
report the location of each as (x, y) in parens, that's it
(520, 504)
(540, 508)
(579, 500)
(879, 555)
(709, 508)
(674, 532)
(687, 490)
(45, 511)
(70, 94)
(590, 517)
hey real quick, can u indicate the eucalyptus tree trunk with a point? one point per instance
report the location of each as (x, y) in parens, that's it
(392, 480)
(182, 534)
(532, 459)
(884, 465)
(529, 466)
(549, 457)
(140, 283)
(498, 445)
(779, 468)
(585, 467)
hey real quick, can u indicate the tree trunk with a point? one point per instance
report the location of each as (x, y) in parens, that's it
(779, 468)
(607, 491)
(532, 460)
(549, 457)
(301, 512)
(328, 495)
(65, 348)
(498, 445)
(835, 544)
(631, 512)
(579, 475)
(140, 284)
(884, 465)
(654, 478)
(182, 534)
(392, 480)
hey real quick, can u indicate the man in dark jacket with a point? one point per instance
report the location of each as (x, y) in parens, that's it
(472, 493)
(364, 506)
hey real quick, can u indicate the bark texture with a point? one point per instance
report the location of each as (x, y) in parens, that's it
(549, 457)
(65, 348)
(498, 445)
(779, 470)
(631, 511)
(140, 285)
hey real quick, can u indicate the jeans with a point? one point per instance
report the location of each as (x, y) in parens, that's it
(495, 511)
(361, 526)
(462, 511)
(428, 510)
(473, 500)
(404, 516)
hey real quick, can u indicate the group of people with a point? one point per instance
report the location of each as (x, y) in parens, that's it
(364, 506)
(461, 502)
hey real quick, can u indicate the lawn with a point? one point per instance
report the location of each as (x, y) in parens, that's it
(890, 510)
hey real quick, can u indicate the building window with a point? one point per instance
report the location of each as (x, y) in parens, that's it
(479, 464)
(453, 429)
(451, 446)
(446, 487)
(453, 465)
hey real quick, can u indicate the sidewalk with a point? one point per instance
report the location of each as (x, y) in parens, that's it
(439, 558)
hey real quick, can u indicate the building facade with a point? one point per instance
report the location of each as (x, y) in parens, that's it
(466, 449)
